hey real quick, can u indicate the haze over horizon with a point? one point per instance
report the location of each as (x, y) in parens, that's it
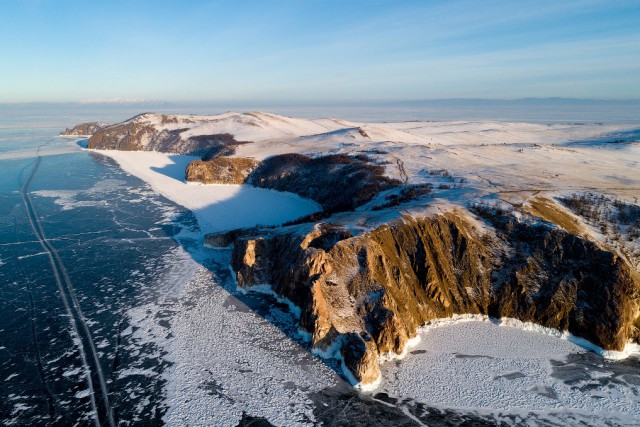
(330, 103)
(320, 51)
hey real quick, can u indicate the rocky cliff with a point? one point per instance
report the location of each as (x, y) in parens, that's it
(337, 182)
(159, 132)
(365, 296)
(84, 129)
(220, 170)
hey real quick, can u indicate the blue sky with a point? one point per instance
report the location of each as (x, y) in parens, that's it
(317, 51)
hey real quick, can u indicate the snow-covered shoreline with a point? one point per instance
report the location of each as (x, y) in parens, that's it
(481, 365)
(333, 351)
(631, 349)
(217, 207)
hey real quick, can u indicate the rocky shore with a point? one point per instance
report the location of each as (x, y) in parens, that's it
(363, 298)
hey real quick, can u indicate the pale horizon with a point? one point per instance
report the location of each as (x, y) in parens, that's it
(320, 103)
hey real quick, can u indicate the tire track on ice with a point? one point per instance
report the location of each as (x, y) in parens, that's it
(84, 339)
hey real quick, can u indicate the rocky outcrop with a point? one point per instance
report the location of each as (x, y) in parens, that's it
(549, 276)
(220, 170)
(84, 129)
(367, 295)
(158, 132)
(337, 182)
(224, 239)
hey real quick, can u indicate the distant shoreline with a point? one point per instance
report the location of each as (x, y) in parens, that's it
(537, 110)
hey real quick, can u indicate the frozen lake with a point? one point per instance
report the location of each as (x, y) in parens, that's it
(177, 344)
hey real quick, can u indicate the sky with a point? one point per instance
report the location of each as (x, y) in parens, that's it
(317, 50)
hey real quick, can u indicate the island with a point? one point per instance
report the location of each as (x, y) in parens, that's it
(395, 225)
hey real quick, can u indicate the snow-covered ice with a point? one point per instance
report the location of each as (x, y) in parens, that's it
(482, 366)
(227, 360)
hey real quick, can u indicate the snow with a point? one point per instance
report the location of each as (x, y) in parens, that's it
(412, 342)
(82, 394)
(511, 159)
(258, 126)
(72, 372)
(228, 360)
(250, 126)
(518, 158)
(477, 364)
(217, 207)
(630, 350)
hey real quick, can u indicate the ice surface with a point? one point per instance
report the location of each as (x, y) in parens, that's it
(229, 361)
(30, 153)
(68, 199)
(481, 365)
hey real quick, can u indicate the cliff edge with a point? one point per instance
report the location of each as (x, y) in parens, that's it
(364, 297)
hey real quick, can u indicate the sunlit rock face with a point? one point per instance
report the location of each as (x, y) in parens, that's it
(368, 294)
(220, 170)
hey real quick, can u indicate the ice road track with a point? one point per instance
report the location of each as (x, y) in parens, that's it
(86, 346)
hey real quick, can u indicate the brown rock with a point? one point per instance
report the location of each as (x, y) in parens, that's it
(145, 133)
(220, 170)
(370, 293)
(226, 238)
(338, 182)
(84, 129)
(361, 357)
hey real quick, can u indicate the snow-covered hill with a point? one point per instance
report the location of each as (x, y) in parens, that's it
(515, 159)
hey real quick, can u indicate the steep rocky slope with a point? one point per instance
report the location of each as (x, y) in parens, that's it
(220, 170)
(84, 129)
(365, 296)
(337, 182)
(160, 132)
